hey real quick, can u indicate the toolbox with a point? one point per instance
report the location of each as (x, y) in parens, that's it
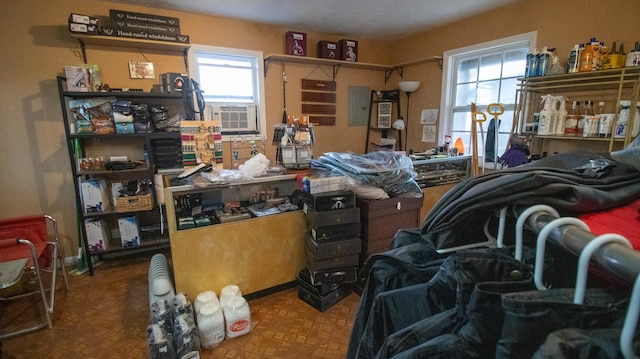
(336, 231)
(333, 248)
(334, 217)
(304, 280)
(316, 264)
(327, 201)
(325, 302)
(333, 276)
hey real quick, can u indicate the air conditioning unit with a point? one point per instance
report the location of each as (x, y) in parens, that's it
(234, 117)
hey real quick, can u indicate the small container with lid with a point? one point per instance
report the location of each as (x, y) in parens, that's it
(204, 298)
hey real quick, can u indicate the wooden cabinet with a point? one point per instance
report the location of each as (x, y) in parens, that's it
(382, 218)
(256, 254)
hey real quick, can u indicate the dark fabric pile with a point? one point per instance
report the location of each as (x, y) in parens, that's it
(572, 183)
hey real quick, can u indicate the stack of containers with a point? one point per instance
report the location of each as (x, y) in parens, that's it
(332, 248)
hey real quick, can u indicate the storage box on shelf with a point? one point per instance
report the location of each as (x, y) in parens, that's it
(610, 86)
(101, 160)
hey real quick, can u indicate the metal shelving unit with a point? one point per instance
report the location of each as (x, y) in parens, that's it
(616, 84)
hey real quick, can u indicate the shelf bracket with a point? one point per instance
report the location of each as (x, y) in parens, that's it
(83, 51)
(336, 68)
(266, 63)
(387, 75)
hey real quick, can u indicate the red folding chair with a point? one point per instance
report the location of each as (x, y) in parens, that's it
(31, 244)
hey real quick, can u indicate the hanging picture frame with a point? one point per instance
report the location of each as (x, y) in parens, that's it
(384, 114)
(141, 70)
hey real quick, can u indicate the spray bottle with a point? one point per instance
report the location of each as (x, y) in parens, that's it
(546, 116)
(561, 115)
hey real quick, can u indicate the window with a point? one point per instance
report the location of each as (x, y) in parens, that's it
(232, 81)
(483, 74)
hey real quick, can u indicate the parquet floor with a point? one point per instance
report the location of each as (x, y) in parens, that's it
(106, 316)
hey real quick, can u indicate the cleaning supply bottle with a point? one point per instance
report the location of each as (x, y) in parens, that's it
(545, 126)
(543, 62)
(633, 58)
(573, 62)
(561, 115)
(623, 119)
(532, 64)
(571, 121)
(588, 54)
(587, 116)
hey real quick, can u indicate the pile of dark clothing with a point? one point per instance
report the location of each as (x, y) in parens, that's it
(425, 299)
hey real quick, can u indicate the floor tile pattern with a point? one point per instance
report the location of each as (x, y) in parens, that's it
(106, 315)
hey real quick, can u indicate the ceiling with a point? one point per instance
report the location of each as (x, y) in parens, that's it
(363, 18)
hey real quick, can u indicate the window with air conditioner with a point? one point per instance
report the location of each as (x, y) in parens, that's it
(232, 84)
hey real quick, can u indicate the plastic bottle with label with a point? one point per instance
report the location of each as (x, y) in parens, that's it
(543, 62)
(623, 119)
(561, 115)
(633, 57)
(545, 127)
(237, 315)
(572, 119)
(573, 62)
(211, 325)
(587, 112)
(531, 69)
(587, 57)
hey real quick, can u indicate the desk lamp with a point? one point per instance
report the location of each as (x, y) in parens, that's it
(408, 87)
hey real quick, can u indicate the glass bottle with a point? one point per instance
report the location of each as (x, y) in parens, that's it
(572, 119)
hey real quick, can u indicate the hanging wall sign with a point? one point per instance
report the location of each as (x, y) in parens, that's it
(319, 101)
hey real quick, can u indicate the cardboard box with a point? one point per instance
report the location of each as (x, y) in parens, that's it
(129, 232)
(125, 127)
(97, 235)
(94, 195)
(348, 50)
(328, 50)
(83, 19)
(77, 78)
(148, 18)
(84, 29)
(296, 43)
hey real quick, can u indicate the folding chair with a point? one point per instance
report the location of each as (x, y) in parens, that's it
(30, 245)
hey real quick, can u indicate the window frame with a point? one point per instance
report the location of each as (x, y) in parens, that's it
(258, 83)
(450, 60)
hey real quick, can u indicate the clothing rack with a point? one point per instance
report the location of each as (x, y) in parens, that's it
(614, 258)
